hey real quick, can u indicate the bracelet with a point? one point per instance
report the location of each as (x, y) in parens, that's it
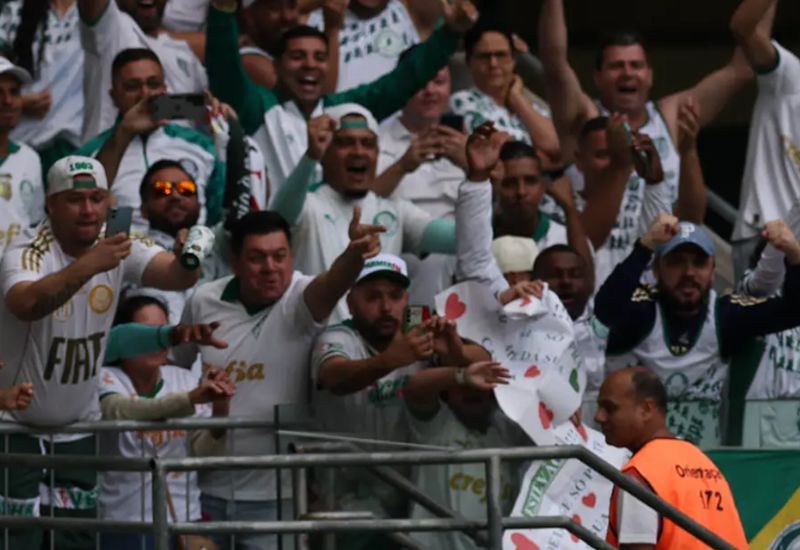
(461, 378)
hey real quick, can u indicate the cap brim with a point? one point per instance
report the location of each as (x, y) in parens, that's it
(387, 274)
(22, 75)
(670, 247)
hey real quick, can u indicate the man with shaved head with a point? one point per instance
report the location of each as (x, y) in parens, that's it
(632, 413)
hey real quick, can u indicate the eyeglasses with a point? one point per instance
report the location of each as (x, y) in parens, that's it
(164, 188)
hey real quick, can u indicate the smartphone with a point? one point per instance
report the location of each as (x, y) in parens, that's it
(119, 221)
(414, 316)
(179, 106)
(629, 135)
(456, 122)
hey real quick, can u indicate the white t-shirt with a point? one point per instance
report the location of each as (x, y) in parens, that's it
(61, 353)
(370, 48)
(21, 192)
(185, 15)
(60, 70)
(193, 150)
(113, 32)
(771, 182)
(462, 487)
(128, 495)
(321, 233)
(433, 186)
(778, 374)
(267, 359)
(476, 107)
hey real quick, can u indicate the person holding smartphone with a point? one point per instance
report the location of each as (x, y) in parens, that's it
(61, 282)
(361, 367)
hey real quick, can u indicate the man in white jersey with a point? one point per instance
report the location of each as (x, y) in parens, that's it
(60, 286)
(21, 189)
(269, 315)
(771, 181)
(346, 143)
(263, 22)
(624, 78)
(681, 328)
(372, 37)
(107, 28)
(129, 147)
(498, 94)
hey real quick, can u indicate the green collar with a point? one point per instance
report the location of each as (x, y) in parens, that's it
(152, 394)
(230, 294)
(542, 227)
(13, 147)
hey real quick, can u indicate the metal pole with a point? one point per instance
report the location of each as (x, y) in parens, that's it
(300, 498)
(494, 510)
(278, 484)
(329, 497)
(160, 527)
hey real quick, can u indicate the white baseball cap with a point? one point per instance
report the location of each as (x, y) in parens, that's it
(339, 112)
(7, 67)
(514, 254)
(385, 265)
(62, 175)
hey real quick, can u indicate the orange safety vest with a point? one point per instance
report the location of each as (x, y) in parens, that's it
(681, 474)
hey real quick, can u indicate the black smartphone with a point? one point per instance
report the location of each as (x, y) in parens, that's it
(119, 221)
(456, 122)
(179, 106)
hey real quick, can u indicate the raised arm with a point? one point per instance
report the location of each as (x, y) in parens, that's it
(33, 300)
(227, 77)
(391, 92)
(165, 272)
(692, 195)
(425, 386)
(562, 193)
(325, 291)
(751, 26)
(570, 105)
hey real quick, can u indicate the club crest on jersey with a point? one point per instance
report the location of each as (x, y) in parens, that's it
(101, 298)
(6, 189)
(389, 43)
(388, 220)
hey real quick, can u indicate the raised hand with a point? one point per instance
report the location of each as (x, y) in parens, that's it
(364, 238)
(460, 15)
(483, 151)
(446, 341)
(17, 397)
(525, 289)
(202, 335)
(37, 104)
(333, 13)
(107, 253)
(139, 118)
(320, 136)
(562, 193)
(619, 148)
(780, 235)
(661, 231)
(213, 387)
(688, 125)
(486, 375)
(424, 147)
(646, 159)
(452, 144)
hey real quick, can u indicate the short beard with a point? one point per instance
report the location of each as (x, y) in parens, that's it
(373, 337)
(683, 309)
(170, 228)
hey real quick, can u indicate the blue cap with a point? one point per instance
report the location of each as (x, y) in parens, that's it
(688, 233)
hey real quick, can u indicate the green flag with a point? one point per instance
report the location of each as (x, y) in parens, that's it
(766, 485)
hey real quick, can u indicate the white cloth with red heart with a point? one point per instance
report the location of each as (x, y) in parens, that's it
(565, 488)
(532, 338)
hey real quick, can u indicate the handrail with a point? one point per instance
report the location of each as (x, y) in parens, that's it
(721, 207)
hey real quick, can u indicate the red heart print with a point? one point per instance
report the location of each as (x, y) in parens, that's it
(521, 542)
(582, 431)
(545, 415)
(454, 308)
(589, 500)
(577, 519)
(526, 300)
(532, 372)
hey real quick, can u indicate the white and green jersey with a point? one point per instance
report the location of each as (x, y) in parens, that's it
(771, 181)
(185, 15)
(21, 192)
(369, 48)
(462, 487)
(778, 374)
(193, 150)
(476, 107)
(267, 359)
(694, 374)
(113, 32)
(321, 233)
(128, 495)
(61, 353)
(377, 411)
(59, 69)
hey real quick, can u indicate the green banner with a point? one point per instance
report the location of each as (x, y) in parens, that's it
(766, 485)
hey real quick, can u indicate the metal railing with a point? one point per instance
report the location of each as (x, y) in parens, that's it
(162, 530)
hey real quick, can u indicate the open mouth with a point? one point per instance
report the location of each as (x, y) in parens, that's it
(628, 90)
(308, 83)
(357, 169)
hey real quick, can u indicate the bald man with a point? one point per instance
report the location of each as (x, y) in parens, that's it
(632, 413)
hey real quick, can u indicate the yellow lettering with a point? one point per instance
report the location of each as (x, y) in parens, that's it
(255, 372)
(454, 481)
(479, 486)
(467, 482)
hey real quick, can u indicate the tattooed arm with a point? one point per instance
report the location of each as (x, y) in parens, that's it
(32, 300)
